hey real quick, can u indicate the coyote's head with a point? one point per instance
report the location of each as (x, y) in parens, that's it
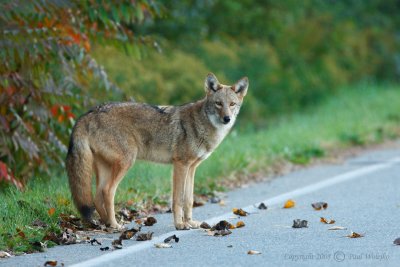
(224, 101)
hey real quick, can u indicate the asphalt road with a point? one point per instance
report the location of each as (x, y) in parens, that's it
(363, 196)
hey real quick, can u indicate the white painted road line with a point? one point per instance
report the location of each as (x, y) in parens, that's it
(271, 201)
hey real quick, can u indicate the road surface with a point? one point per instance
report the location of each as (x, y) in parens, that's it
(363, 196)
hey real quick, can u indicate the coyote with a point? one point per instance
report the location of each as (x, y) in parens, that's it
(109, 138)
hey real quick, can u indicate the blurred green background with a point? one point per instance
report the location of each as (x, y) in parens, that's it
(60, 58)
(294, 52)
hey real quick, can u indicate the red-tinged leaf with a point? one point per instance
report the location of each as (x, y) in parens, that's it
(51, 211)
(3, 170)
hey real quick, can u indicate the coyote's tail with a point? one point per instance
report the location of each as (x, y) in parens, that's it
(79, 168)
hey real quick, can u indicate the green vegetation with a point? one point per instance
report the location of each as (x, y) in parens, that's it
(362, 115)
(294, 52)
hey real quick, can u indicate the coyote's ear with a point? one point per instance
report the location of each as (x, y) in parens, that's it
(211, 83)
(240, 88)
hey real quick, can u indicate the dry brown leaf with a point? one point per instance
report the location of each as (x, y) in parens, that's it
(300, 223)
(197, 204)
(163, 245)
(144, 236)
(221, 225)
(51, 211)
(320, 205)
(20, 233)
(223, 232)
(289, 204)
(397, 241)
(337, 228)
(205, 225)
(325, 221)
(240, 224)
(128, 234)
(239, 212)
(231, 226)
(50, 263)
(253, 252)
(354, 235)
(150, 221)
(117, 243)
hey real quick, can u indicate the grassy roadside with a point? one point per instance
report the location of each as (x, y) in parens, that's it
(361, 116)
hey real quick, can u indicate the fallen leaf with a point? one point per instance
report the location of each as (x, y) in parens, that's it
(222, 203)
(262, 206)
(150, 221)
(50, 263)
(215, 200)
(337, 228)
(128, 214)
(67, 237)
(299, 223)
(163, 245)
(117, 243)
(51, 211)
(320, 205)
(197, 204)
(221, 225)
(239, 212)
(231, 226)
(94, 240)
(354, 235)
(20, 233)
(39, 246)
(144, 236)
(223, 232)
(253, 252)
(39, 223)
(397, 241)
(105, 248)
(205, 225)
(229, 246)
(172, 237)
(139, 221)
(240, 224)
(128, 234)
(4, 254)
(289, 204)
(325, 221)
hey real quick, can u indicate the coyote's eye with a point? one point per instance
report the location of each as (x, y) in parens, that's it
(218, 103)
(232, 104)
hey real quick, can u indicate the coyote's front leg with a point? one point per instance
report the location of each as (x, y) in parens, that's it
(188, 198)
(180, 174)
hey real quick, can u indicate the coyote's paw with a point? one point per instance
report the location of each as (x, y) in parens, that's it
(116, 227)
(182, 226)
(194, 224)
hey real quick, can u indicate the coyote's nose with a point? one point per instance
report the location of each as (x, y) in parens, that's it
(227, 119)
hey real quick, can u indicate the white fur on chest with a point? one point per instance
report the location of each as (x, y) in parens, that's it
(221, 133)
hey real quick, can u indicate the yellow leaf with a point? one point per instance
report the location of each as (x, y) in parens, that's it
(325, 221)
(354, 235)
(289, 204)
(240, 224)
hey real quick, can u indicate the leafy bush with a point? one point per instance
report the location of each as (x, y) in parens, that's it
(47, 73)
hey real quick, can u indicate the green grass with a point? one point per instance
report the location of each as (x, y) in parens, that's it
(358, 116)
